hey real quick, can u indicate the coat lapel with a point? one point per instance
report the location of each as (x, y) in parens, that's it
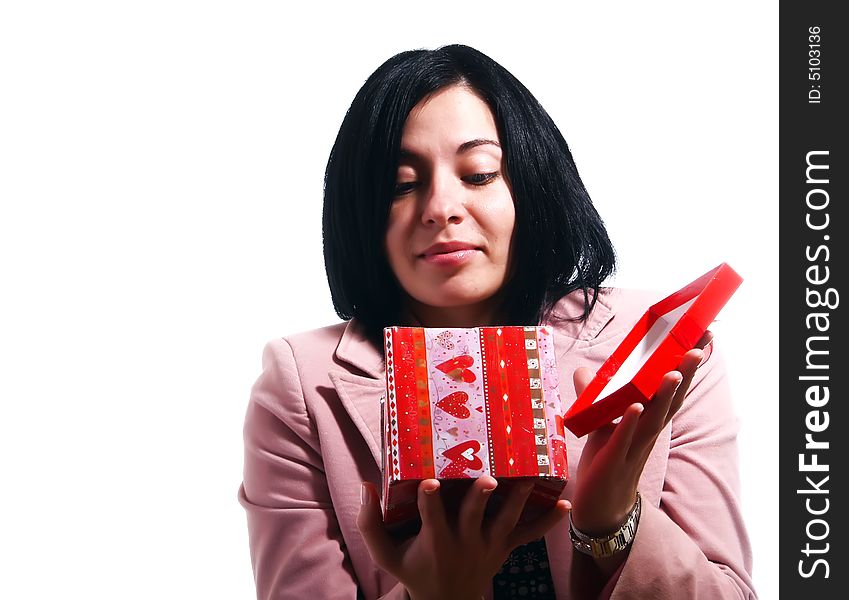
(360, 394)
(361, 398)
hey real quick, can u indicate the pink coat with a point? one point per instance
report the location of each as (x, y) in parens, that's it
(312, 435)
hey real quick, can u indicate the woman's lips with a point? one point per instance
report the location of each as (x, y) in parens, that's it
(449, 253)
(451, 258)
(446, 247)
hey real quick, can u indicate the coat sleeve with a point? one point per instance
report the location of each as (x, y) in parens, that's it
(695, 545)
(297, 549)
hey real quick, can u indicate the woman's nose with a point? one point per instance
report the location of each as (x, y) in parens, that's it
(443, 203)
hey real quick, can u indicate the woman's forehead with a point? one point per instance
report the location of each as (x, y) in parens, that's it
(454, 119)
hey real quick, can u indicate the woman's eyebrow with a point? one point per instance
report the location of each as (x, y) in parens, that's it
(407, 154)
(466, 146)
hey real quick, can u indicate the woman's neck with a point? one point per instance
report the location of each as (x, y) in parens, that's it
(482, 314)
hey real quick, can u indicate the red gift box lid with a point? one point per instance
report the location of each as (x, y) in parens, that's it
(655, 346)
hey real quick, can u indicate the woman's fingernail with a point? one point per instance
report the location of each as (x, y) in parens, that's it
(365, 496)
(489, 490)
(431, 490)
(706, 353)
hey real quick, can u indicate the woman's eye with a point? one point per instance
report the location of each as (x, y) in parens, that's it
(480, 178)
(404, 187)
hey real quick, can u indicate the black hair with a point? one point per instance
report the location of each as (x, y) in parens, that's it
(560, 242)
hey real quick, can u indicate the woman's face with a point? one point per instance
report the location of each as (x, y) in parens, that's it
(451, 223)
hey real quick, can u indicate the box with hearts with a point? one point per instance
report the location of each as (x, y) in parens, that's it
(461, 403)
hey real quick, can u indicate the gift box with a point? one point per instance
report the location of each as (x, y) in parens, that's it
(462, 403)
(655, 346)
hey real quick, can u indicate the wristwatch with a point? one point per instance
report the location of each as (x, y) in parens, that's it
(602, 547)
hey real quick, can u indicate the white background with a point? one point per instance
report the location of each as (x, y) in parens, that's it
(161, 174)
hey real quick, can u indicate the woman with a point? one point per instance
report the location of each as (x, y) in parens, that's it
(452, 200)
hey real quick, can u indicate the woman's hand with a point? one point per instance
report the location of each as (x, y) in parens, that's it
(614, 456)
(444, 562)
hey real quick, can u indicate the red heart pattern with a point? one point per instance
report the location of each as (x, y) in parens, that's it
(458, 368)
(455, 405)
(462, 456)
